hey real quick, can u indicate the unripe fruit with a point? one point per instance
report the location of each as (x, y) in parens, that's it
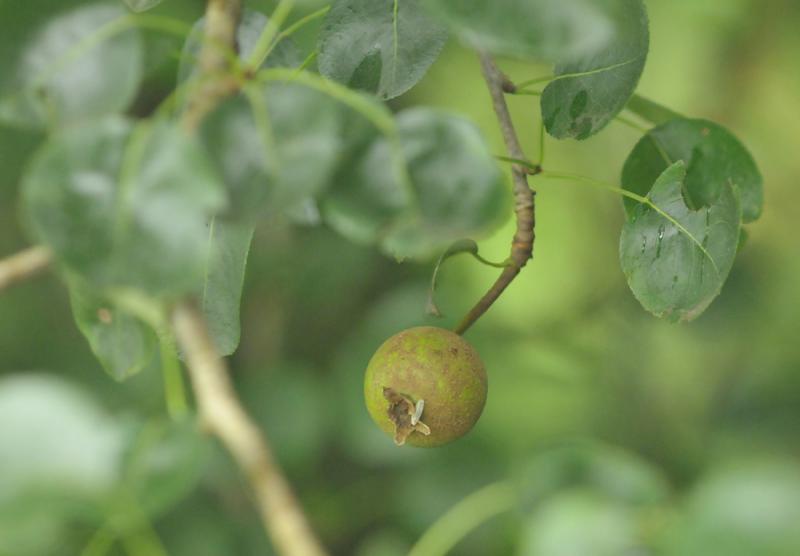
(425, 386)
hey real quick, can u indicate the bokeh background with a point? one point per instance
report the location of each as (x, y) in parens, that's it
(619, 434)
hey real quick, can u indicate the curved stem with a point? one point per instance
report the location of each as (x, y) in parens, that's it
(24, 265)
(462, 518)
(522, 242)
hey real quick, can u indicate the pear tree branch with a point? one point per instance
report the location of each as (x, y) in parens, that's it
(24, 265)
(522, 242)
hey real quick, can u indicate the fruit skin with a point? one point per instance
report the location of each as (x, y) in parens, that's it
(431, 364)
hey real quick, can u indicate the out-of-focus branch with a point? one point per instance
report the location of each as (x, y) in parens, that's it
(224, 416)
(522, 242)
(219, 43)
(219, 406)
(24, 265)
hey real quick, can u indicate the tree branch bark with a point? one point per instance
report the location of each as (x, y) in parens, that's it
(24, 265)
(524, 205)
(222, 413)
(219, 407)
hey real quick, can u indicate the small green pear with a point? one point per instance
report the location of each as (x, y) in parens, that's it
(425, 386)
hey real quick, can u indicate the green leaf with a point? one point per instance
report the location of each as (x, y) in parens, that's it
(381, 46)
(278, 149)
(123, 344)
(164, 464)
(365, 196)
(743, 509)
(457, 190)
(125, 213)
(582, 524)
(142, 5)
(714, 159)
(61, 442)
(251, 24)
(650, 110)
(64, 62)
(590, 89)
(677, 259)
(613, 472)
(537, 29)
(227, 249)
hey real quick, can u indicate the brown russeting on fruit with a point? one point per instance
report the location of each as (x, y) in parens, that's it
(402, 412)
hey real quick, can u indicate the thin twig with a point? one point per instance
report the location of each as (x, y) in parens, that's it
(219, 406)
(522, 243)
(24, 265)
(223, 414)
(221, 21)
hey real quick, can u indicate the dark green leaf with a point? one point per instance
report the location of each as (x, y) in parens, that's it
(589, 90)
(538, 29)
(381, 46)
(123, 213)
(64, 62)
(677, 265)
(123, 344)
(714, 158)
(252, 23)
(227, 249)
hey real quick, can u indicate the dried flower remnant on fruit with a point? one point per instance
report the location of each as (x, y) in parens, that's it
(405, 414)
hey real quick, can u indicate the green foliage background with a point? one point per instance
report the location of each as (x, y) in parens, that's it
(709, 411)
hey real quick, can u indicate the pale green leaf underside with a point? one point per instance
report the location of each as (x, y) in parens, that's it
(227, 249)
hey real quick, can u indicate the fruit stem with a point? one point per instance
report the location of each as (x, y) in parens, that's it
(524, 196)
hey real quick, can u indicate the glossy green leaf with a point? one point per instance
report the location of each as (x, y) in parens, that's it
(380, 46)
(538, 29)
(223, 278)
(165, 462)
(714, 159)
(122, 343)
(744, 509)
(142, 5)
(125, 213)
(582, 524)
(676, 259)
(456, 190)
(64, 62)
(252, 23)
(590, 89)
